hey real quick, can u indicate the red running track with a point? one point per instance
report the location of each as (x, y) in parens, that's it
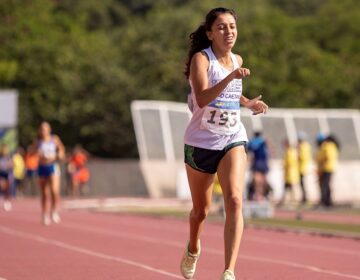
(89, 245)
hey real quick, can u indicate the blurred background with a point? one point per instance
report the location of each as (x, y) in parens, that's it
(80, 64)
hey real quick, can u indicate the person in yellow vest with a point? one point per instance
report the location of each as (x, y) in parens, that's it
(319, 140)
(19, 169)
(291, 171)
(304, 153)
(328, 161)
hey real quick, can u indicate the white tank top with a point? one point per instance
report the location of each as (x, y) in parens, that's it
(5, 162)
(218, 124)
(47, 149)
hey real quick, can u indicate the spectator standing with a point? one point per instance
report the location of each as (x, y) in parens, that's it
(31, 166)
(328, 160)
(304, 153)
(319, 140)
(19, 170)
(6, 166)
(258, 149)
(78, 170)
(291, 171)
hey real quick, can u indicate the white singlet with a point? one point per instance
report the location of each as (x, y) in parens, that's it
(218, 124)
(48, 149)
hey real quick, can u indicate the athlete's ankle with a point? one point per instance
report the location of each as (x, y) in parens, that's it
(194, 250)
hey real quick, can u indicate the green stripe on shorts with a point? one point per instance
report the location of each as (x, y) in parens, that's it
(189, 157)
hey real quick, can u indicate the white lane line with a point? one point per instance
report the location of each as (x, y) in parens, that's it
(85, 251)
(308, 267)
(136, 237)
(252, 239)
(2, 278)
(214, 251)
(177, 229)
(303, 246)
(248, 238)
(291, 264)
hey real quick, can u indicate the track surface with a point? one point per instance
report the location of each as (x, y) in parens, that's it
(89, 245)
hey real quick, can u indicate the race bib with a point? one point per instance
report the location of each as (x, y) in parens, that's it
(223, 121)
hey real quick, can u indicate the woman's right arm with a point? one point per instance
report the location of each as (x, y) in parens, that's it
(199, 79)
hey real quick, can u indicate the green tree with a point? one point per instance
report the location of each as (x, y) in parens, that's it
(79, 64)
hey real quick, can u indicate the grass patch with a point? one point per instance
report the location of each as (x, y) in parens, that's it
(150, 211)
(339, 209)
(318, 226)
(347, 211)
(310, 225)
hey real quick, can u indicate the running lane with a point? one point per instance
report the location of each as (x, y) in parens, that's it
(89, 245)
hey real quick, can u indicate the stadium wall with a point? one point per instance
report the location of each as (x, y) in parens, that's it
(9, 117)
(160, 126)
(116, 178)
(164, 179)
(134, 178)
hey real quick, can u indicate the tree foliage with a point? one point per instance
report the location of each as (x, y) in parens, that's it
(79, 64)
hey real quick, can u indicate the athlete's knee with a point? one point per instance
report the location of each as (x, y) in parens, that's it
(199, 214)
(233, 204)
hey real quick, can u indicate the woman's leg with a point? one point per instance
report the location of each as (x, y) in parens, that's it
(5, 187)
(326, 188)
(323, 184)
(201, 192)
(303, 190)
(43, 182)
(55, 192)
(259, 185)
(231, 174)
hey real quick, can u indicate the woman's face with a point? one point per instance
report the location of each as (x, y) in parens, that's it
(44, 130)
(223, 32)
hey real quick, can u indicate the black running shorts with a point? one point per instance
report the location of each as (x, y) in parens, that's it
(205, 160)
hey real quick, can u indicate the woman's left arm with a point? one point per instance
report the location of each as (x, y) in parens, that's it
(60, 147)
(256, 105)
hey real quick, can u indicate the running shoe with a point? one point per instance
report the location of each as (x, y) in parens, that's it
(7, 206)
(55, 217)
(188, 262)
(228, 275)
(46, 221)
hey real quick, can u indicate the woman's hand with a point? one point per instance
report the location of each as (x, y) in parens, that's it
(256, 105)
(240, 73)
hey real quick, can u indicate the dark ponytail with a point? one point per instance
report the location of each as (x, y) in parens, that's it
(199, 40)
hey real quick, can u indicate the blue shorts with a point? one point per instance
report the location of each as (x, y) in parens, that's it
(4, 174)
(205, 160)
(260, 166)
(46, 170)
